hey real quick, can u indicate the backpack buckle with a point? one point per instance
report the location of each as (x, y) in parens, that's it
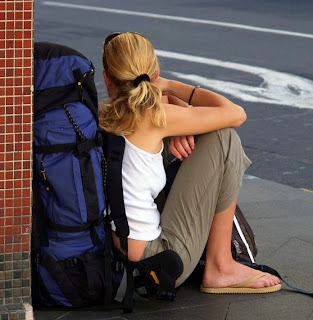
(70, 263)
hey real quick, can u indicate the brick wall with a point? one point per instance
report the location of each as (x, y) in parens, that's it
(16, 42)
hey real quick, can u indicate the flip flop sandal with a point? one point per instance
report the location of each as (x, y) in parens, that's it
(243, 287)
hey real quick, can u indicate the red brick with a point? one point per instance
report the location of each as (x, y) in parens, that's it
(27, 25)
(9, 221)
(27, 16)
(9, 82)
(9, 175)
(17, 174)
(19, 34)
(9, 91)
(18, 25)
(9, 72)
(26, 156)
(27, 62)
(18, 100)
(27, 35)
(10, 6)
(18, 82)
(26, 246)
(28, 53)
(26, 220)
(10, 53)
(10, 147)
(17, 247)
(27, 137)
(9, 127)
(17, 156)
(19, 16)
(18, 44)
(9, 138)
(17, 238)
(19, 6)
(27, 72)
(28, 5)
(17, 193)
(26, 183)
(10, 15)
(10, 34)
(27, 118)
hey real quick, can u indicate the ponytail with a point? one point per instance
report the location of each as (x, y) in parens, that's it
(131, 64)
(128, 108)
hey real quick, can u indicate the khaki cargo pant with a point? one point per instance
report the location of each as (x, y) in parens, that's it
(207, 182)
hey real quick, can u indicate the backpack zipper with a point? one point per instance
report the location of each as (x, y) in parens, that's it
(44, 176)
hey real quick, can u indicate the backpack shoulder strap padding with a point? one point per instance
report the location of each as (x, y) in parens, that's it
(115, 146)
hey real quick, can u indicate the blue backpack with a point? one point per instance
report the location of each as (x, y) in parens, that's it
(76, 174)
(69, 201)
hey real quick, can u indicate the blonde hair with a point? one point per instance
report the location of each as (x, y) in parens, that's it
(126, 57)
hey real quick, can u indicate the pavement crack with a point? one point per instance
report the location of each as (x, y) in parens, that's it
(277, 249)
(302, 240)
(228, 307)
(63, 315)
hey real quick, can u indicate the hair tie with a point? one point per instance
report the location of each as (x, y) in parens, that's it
(142, 77)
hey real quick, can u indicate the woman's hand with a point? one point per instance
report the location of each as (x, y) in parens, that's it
(163, 84)
(181, 147)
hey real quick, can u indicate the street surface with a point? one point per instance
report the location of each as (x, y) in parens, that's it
(257, 53)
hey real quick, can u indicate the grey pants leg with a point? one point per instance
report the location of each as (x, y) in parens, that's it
(207, 183)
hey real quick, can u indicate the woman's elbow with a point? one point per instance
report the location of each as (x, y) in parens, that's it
(242, 117)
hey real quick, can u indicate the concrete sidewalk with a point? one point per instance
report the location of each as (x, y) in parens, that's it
(282, 219)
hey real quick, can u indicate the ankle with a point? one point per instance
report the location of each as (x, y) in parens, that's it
(220, 265)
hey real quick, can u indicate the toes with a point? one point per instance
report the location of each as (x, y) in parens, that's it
(273, 280)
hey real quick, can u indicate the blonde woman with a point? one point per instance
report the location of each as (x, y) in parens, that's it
(199, 209)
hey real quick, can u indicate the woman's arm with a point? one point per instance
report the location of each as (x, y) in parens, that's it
(201, 97)
(222, 113)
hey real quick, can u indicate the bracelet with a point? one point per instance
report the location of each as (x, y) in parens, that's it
(193, 91)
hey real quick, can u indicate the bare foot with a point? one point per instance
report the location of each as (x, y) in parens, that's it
(234, 273)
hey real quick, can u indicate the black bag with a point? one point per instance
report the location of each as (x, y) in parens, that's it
(243, 246)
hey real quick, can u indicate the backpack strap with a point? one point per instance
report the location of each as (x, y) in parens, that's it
(274, 272)
(79, 146)
(115, 151)
(39, 221)
(88, 180)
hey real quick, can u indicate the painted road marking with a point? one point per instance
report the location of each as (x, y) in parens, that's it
(307, 190)
(276, 87)
(182, 19)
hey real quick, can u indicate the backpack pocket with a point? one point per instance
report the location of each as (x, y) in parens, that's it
(72, 283)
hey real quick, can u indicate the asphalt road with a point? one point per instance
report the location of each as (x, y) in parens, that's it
(267, 71)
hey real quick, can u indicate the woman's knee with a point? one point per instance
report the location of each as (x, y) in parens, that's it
(223, 139)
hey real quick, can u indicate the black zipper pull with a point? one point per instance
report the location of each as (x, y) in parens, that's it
(44, 176)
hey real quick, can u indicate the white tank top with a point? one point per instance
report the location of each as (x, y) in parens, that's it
(143, 177)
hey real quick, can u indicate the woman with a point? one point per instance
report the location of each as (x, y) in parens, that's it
(200, 207)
